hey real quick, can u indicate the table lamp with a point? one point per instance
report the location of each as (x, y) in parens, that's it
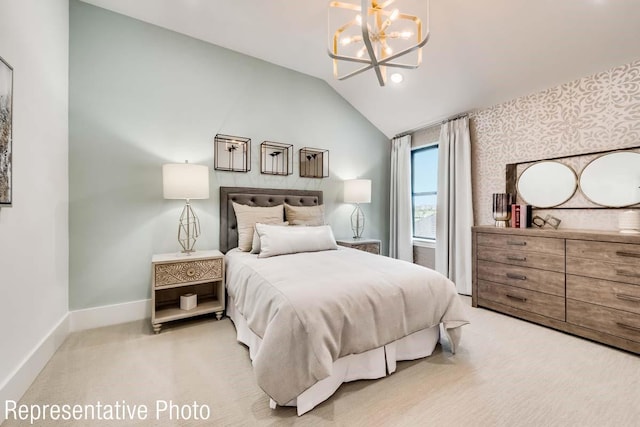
(357, 191)
(186, 181)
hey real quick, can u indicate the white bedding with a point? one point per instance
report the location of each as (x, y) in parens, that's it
(311, 309)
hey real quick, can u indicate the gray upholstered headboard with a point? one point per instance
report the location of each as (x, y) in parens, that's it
(256, 197)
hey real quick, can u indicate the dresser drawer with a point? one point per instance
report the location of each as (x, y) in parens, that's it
(523, 299)
(626, 273)
(188, 271)
(622, 253)
(616, 295)
(524, 243)
(549, 282)
(522, 258)
(603, 319)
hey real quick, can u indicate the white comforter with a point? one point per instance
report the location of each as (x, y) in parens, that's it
(312, 308)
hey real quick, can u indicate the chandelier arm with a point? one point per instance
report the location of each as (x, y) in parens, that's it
(342, 5)
(348, 58)
(387, 3)
(370, 51)
(405, 51)
(356, 72)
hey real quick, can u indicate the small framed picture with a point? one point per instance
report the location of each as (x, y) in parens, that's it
(276, 158)
(6, 131)
(314, 163)
(232, 153)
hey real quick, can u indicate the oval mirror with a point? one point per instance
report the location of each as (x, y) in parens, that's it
(547, 184)
(612, 180)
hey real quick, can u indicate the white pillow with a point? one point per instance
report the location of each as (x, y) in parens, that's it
(255, 246)
(304, 215)
(275, 240)
(247, 216)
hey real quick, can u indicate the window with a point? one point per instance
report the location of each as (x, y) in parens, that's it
(424, 191)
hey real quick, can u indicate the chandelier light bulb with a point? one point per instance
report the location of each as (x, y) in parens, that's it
(361, 51)
(388, 50)
(394, 14)
(345, 41)
(406, 34)
(359, 19)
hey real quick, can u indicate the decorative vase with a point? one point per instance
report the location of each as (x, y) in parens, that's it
(502, 209)
(629, 222)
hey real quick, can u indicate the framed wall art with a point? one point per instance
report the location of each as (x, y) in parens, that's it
(314, 163)
(276, 158)
(6, 129)
(232, 153)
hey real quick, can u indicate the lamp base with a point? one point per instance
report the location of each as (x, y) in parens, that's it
(357, 222)
(188, 229)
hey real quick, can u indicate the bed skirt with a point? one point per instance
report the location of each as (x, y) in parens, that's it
(372, 364)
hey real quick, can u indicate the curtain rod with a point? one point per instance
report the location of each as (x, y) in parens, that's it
(428, 125)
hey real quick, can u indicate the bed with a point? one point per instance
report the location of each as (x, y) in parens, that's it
(314, 320)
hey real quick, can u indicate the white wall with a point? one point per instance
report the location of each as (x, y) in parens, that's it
(34, 282)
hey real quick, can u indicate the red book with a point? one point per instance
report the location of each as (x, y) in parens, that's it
(516, 214)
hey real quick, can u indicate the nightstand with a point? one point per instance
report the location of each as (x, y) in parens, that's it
(173, 275)
(367, 245)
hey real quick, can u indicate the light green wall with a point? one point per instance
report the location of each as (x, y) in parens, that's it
(141, 96)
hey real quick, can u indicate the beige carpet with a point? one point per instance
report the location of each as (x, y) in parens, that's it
(507, 373)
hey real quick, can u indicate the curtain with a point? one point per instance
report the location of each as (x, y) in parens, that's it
(400, 245)
(454, 211)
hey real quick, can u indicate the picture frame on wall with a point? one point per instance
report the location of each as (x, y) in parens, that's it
(314, 163)
(232, 153)
(276, 158)
(6, 132)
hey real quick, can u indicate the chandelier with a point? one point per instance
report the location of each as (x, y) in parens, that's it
(360, 41)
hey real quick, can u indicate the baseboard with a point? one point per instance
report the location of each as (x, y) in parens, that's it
(97, 317)
(21, 379)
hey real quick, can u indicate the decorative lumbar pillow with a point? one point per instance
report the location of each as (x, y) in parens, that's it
(304, 215)
(275, 240)
(255, 246)
(247, 216)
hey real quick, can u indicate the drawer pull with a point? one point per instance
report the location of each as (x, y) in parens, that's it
(628, 254)
(516, 276)
(626, 273)
(627, 297)
(517, 298)
(516, 243)
(517, 258)
(629, 327)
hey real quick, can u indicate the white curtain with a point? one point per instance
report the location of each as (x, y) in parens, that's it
(454, 215)
(400, 245)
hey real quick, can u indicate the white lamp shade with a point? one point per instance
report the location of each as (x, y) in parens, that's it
(357, 191)
(185, 181)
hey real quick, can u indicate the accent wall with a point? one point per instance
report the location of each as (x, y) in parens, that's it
(594, 113)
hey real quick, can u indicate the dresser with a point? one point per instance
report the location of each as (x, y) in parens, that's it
(582, 282)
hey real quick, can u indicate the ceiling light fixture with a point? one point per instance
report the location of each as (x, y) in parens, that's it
(397, 78)
(372, 34)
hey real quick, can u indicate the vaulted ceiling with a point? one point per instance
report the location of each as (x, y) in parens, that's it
(480, 53)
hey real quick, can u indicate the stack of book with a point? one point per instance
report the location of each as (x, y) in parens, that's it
(521, 216)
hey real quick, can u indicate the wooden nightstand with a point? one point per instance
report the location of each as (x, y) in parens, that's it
(367, 245)
(173, 275)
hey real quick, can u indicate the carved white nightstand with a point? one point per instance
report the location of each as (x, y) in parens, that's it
(367, 245)
(173, 275)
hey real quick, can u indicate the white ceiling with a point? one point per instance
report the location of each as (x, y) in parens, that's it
(480, 53)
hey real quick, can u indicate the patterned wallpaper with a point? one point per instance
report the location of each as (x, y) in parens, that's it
(598, 112)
